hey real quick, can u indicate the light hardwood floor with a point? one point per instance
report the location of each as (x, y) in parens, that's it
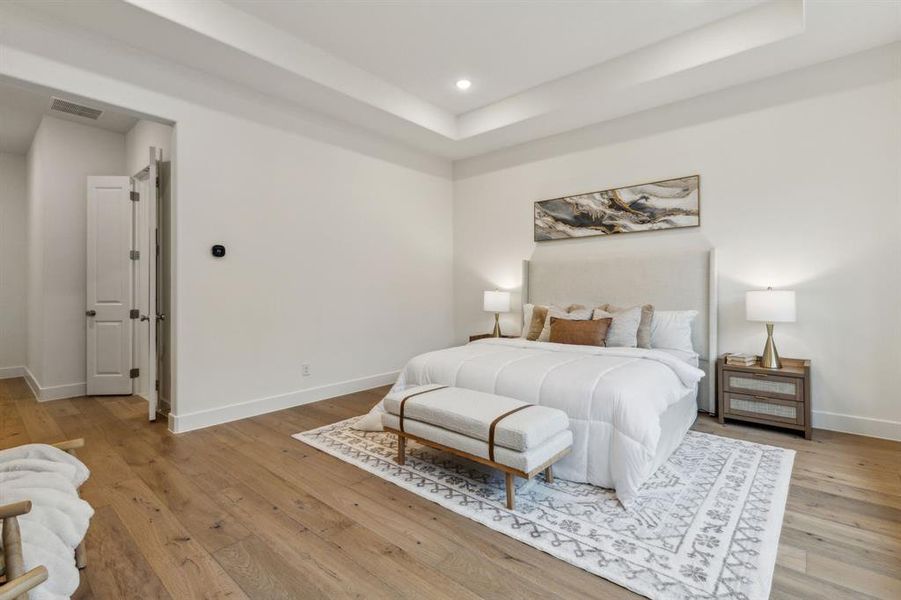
(244, 511)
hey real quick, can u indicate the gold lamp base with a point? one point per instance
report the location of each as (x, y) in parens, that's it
(497, 326)
(770, 358)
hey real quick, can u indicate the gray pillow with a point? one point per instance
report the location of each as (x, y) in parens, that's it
(643, 337)
(623, 332)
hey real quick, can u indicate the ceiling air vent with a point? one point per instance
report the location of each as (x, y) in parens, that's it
(60, 105)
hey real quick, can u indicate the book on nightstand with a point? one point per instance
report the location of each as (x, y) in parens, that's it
(741, 360)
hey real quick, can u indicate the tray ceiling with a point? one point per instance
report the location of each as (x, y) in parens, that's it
(538, 68)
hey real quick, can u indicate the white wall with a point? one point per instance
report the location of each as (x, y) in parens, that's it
(61, 157)
(13, 265)
(139, 140)
(333, 258)
(339, 242)
(804, 195)
(35, 186)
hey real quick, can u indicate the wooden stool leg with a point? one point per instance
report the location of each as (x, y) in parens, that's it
(548, 475)
(401, 447)
(81, 556)
(511, 490)
(12, 547)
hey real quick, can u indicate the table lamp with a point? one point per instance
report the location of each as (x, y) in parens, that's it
(770, 306)
(496, 302)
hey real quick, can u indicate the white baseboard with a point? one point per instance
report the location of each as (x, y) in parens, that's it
(233, 412)
(879, 428)
(53, 392)
(11, 372)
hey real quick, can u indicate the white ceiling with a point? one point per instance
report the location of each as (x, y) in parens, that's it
(503, 47)
(538, 68)
(21, 111)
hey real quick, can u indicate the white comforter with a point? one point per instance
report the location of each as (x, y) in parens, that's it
(58, 520)
(614, 398)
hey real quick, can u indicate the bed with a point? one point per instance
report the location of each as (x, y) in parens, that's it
(629, 408)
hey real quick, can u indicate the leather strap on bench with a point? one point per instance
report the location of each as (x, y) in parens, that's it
(494, 424)
(403, 402)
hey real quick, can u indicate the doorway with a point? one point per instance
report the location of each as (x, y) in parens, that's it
(71, 320)
(127, 337)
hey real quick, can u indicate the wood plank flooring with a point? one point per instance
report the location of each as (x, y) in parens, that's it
(244, 511)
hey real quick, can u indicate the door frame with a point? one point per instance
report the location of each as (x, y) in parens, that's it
(52, 79)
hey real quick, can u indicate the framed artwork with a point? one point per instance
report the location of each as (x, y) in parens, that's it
(669, 204)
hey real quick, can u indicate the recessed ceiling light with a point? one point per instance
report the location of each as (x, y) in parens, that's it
(463, 84)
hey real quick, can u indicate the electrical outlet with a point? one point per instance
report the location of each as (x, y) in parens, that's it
(305, 369)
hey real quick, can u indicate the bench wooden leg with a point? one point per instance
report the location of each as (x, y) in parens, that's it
(548, 475)
(511, 491)
(401, 448)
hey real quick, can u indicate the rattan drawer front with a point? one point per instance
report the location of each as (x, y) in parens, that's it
(756, 384)
(761, 407)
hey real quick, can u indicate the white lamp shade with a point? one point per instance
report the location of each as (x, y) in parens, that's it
(770, 306)
(497, 302)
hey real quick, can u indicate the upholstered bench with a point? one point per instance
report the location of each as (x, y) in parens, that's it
(515, 437)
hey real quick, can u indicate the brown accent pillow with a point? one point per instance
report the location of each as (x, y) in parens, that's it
(644, 326)
(592, 332)
(576, 314)
(539, 315)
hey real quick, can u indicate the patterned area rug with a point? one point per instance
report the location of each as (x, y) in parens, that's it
(706, 524)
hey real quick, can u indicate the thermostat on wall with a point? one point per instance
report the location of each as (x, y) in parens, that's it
(218, 250)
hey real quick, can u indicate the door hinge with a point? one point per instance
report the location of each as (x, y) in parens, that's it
(134, 313)
(134, 254)
(134, 196)
(157, 385)
(134, 373)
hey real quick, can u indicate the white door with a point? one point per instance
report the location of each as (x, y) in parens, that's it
(141, 197)
(152, 211)
(109, 286)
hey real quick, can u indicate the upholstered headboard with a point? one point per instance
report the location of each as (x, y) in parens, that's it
(683, 280)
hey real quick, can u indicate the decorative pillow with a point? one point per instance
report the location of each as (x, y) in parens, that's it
(583, 332)
(672, 329)
(579, 314)
(536, 322)
(623, 331)
(643, 338)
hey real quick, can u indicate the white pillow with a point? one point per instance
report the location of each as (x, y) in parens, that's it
(579, 314)
(623, 332)
(671, 329)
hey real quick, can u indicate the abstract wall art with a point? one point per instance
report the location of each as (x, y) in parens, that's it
(666, 204)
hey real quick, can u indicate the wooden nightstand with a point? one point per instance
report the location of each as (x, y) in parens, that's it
(779, 397)
(482, 336)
